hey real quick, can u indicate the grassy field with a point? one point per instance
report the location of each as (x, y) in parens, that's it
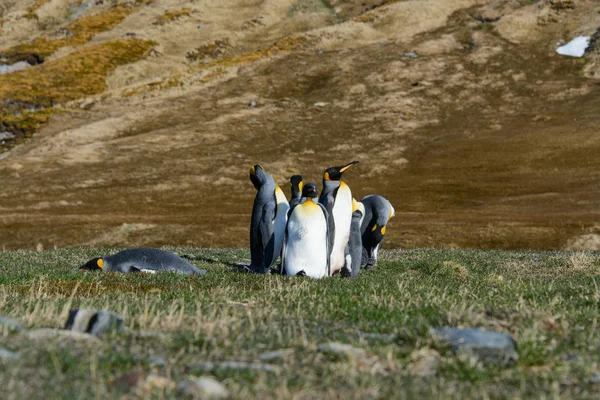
(548, 301)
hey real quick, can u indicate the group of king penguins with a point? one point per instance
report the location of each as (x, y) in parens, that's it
(316, 235)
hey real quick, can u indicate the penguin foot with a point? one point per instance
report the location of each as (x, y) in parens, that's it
(301, 273)
(369, 266)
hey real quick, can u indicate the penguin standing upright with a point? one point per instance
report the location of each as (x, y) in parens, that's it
(378, 212)
(354, 250)
(296, 183)
(337, 199)
(269, 217)
(306, 242)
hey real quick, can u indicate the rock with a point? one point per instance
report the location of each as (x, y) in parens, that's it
(204, 387)
(341, 349)
(276, 355)
(95, 322)
(425, 362)
(7, 355)
(144, 388)
(490, 347)
(410, 54)
(7, 136)
(595, 378)
(239, 365)
(253, 103)
(61, 335)
(156, 361)
(386, 337)
(9, 325)
(128, 381)
(320, 104)
(575, 48)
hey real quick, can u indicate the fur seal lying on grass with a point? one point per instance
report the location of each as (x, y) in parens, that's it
(142, 260)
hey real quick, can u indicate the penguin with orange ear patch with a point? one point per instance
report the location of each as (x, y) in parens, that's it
(269, 217)
(306, 242)
(378, 212)
(337, 199)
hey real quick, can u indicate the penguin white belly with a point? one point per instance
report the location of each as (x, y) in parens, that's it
(306, 248)
(280, 222)
(342, 216)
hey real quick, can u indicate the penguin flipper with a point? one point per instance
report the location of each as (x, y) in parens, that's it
(347, 268)
(284, 248)
(330, 236)
(267, 233)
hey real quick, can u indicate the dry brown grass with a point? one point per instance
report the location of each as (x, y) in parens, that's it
(82, 31)
(170, 16)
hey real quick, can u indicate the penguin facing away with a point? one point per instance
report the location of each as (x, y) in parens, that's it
(306, 242)
(378, 212)
(142, 260)
(269, 216)
(296, 184)
(354, 250)
(337, 199)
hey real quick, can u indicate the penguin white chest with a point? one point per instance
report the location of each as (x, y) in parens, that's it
(279, 222)
(306, 246)
(342, 217)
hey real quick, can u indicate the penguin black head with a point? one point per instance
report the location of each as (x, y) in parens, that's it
(257, 176)
(310, 191)
(296, 183)
(296, 180)
(335, 173)
(93, 265)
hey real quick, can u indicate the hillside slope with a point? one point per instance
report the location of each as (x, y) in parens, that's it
(143, 128)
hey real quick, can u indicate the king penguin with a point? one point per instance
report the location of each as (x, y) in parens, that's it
(306, 243)
(269, 217)
(378, 212)
(142, 260)
(337, 199)
(354, 250)
(296, 183)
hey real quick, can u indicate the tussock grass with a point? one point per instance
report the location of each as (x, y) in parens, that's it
(82, 30)
(549, 307)
(170, 16)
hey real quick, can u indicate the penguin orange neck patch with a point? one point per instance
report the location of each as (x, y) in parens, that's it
(100, 263)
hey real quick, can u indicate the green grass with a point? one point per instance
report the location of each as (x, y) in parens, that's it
(548, 301)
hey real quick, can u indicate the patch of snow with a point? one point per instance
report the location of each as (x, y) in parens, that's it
(575, 48)
(6, 68)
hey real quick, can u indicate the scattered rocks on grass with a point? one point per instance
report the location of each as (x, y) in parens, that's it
(595, 378)
(61, 335)
(204, 387)
(490, 347)
(9, 324)
(424, 362)
(410, 54)
(276, 355)
(342, 350)
(239, 365)
(7, 355)
(156, 361)
(95, 322)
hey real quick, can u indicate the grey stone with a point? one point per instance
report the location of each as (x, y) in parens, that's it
(410, 54)
(9, 325)
(275, 355)
(7, 355)
(156, 361)
(490, 347)
(96, 322)
(7, 135)
(233, 365)
(595, 378)
(7, 68)
(61, 335)
(204, 387)
(253, 103)
(342, 349)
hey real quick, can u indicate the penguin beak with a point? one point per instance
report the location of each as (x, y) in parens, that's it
(345, 167)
